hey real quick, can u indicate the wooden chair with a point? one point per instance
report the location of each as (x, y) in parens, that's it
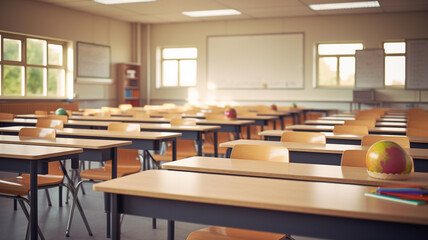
(249, 152)
(19, 187)
(102, 114)
(128, 162)
(215, 116)
(369, 140)
(50, 123)
(417, 132)
(303, 137)
(140, 115)
(124, 107)
(350, 129)
(64, 118)
(417, 114)
(185, 148)
(6, 116)
(369, 123)
(354, 158)
(40, 112)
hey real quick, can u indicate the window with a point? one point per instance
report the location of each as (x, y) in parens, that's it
(32, 67)
(336, 64)
(395, 64)
(178, 67)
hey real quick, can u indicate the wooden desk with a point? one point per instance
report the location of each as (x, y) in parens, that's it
(325, 112)
(292, 171)
(329, 154)
(354, 139)
(342, 118)
(282, 115)
(315, 209)
(338, 122)
(187, 132)
(33, 160)
(140, 140)
(325, 128)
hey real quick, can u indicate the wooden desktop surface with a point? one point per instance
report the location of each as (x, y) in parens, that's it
(321, 128)
(341, 200)
(335, 122)
(104, 133)
(31, 152)
(418, 153)
(296, 171)
(339, 118)
(63, 142)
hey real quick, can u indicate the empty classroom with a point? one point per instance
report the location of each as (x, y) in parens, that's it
(213, 119)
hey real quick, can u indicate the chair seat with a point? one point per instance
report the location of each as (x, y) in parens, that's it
(223, 233)
(44, 180)
(104, 174)
(124, 166)
(168, 157)
(14, 186)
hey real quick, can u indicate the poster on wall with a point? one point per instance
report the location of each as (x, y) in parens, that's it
(93, 63)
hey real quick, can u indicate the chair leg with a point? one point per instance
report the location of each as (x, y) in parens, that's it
(79, 207)
(60, 196)
(14, 205)
(154, 225)
(27, 215)
(48, 197)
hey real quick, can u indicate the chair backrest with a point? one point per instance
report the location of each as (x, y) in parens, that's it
(368, 123)
(124, 107)
(215, 116)
(303, 137)
(350, 129)
(183, 122)
(38, 132)
(368, 140)
(50, 123)
(417, 124)
(417, 132)
(6, 116)
(417, 114)
(367, 117)
(40, 112)
(63, 118)
(124, 127)
(140, 115)
(260, 152)
(102, 114)
(354, 158)
(54, 167)
(172, 115)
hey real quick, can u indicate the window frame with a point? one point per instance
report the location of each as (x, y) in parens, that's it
(23, 63)
(162, 59)
(394, 55)
(337, 56)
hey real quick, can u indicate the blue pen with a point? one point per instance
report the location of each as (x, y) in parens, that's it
(403, 190)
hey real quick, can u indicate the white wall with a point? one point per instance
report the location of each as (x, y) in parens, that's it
(37, 18)
(371, 29)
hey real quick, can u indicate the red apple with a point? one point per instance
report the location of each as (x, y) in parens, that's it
(230, 113)
(273, 107)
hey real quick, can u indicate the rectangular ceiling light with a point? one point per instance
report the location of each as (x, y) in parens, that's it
(212, 13)
(345, 5)
(108, 2)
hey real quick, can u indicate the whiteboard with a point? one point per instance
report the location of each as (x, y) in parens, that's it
(369, 68)
(417, 64)
(256, 61)
(93, 61)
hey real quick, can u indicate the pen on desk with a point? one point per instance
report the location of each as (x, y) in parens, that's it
(394, 199)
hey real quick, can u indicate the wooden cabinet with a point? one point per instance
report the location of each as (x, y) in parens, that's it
(128, 83)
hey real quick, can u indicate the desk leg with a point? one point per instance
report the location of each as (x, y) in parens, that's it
(33, 201)
(237, 132)
(282, 122)
(228, 152)
(215, 144)
(249, 132)
(174, 149)
(170, 230)
(107, 196)
(274, 124)
(115, 218)
(199, 142)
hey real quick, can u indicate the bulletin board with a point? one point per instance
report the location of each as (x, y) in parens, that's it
(264, 61)
(93, 63)
(417, 64)
(369, 68)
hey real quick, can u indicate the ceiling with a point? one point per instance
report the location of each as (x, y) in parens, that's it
(168, 11)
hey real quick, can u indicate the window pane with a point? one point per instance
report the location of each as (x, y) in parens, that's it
(395, 47)
(36, 51)
(179, 53)
(56, 80)
(55, 54)
(12, 49)
(170, 73)
(35, 77)
(395, 70)
(339, 49)
(327, 71)
(12, 76)
(187, 72)
(347, 71)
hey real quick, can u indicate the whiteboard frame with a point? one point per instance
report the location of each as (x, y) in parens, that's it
(263, 34)
(406, 85)
(93, 79)
(383, 69)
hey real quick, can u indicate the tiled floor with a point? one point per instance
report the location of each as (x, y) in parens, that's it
(53, 220)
